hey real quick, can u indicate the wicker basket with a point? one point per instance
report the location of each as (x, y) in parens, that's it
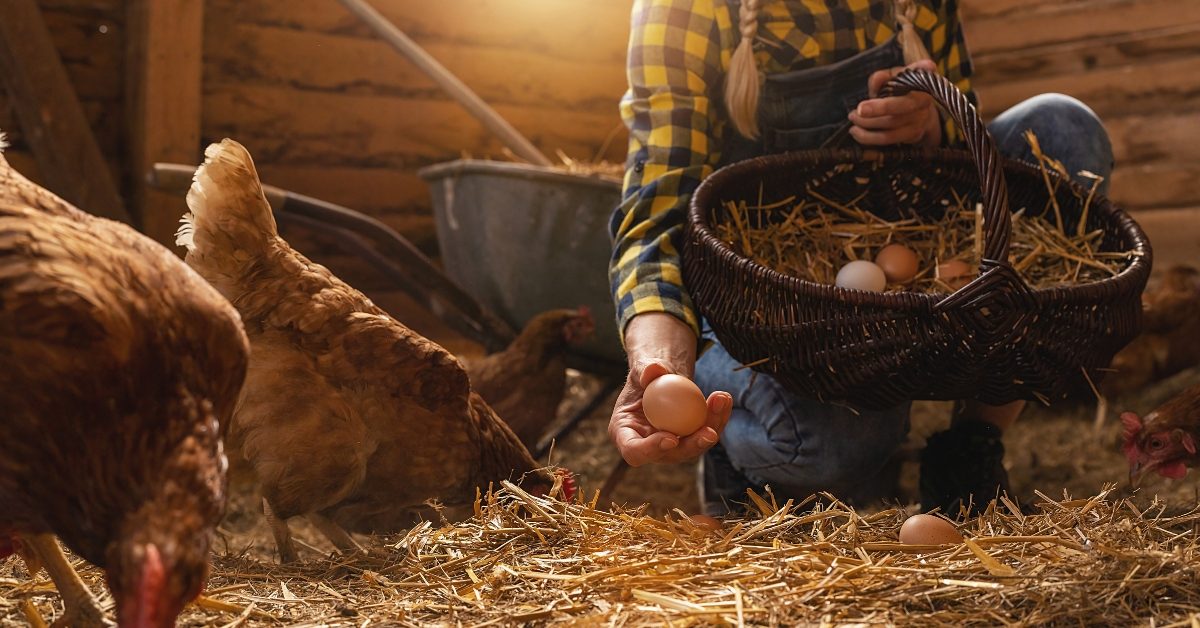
(995, 339)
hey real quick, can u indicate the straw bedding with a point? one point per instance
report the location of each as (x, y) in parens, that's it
(645, 566)
(527, 559)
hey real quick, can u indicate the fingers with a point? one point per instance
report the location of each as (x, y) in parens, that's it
(906, 119)
(638, 450)
(884, 135)
(878, 79)
(692, 446)
(720, 407)
(640, 443)
(913, 103)
(651, 372)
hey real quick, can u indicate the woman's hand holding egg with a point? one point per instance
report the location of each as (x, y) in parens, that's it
(659, 344)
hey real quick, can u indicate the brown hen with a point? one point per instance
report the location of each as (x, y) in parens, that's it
(347, 417)
(119, 365)
(1166, 440)
(524, 383)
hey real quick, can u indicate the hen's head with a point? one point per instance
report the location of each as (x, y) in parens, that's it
(559, 327)
(555, 481)
(1151, 445)
(152, 581)
(579, 327)
(158, 558)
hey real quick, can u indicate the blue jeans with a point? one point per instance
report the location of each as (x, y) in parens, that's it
(800, 446)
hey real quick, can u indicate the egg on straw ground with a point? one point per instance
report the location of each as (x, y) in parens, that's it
(523, 558)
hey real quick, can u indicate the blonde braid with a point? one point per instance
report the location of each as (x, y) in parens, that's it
(910, 41)
(741, 83)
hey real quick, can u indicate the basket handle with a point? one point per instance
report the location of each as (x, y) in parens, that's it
(997, 221)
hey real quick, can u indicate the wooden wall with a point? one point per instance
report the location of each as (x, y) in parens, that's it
(90, 38)
(329, 110)
(1137, 64)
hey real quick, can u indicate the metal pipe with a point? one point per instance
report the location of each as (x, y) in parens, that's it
(448, 82)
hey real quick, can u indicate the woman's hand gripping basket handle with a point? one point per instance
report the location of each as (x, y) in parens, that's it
(997, 221)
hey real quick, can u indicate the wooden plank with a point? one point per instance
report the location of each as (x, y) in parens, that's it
(1174, 235)
(102, 7)
(1076, 57)
(594, 31)
(1158, 185)
(1169, 136)
(164, 58)
(265, 55)
(50, 114)
(1170, 85)
(99, 116)
(93, 59)
(318, 128)
(1076, 21)
(978, 9)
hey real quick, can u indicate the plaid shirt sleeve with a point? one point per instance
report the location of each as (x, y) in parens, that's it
(677, 52)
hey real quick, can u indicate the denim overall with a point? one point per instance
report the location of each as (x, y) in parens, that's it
(795, 444)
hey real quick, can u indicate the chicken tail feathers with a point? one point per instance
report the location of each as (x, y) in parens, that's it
(229, 211)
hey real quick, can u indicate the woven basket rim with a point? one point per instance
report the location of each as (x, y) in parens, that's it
(904, 300)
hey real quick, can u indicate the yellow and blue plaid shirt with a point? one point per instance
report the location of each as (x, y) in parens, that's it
(679, 51)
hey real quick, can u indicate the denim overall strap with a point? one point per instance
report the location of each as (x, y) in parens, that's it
(799, 110)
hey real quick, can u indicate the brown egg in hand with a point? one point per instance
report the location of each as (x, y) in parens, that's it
(674, 403)
(898, 262)
(928, 530)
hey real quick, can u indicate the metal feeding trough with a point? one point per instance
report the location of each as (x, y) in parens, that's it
(524, 239)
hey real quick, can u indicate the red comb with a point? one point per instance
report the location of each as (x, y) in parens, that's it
(1133, 425)
(568, 485)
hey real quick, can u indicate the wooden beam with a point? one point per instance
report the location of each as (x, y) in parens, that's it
(1060, 22)
(1166, 85)
(1156, 185)
(164, 57)
(50, 115)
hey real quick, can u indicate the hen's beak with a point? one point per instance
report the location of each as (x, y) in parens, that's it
(1137, 471)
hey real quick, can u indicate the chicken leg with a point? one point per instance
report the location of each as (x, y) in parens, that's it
(336, 534)
(80, 608)
(283, 535)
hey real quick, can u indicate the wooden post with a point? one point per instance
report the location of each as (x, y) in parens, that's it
(164, 57)
(50, 115)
